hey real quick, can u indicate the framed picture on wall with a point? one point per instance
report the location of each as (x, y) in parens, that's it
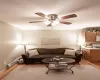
(50, 41)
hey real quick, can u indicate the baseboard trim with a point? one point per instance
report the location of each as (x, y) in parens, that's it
(92, 64)
(5, 72)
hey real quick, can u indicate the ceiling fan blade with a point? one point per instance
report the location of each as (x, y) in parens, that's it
(49, 25)
(69, 16)
(63, 22)
(35, 21)
(40, 14)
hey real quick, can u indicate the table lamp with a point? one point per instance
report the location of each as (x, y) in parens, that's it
(24, 45)
(24, 48)
(80, 44)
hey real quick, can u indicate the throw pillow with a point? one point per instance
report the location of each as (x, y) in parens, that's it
(69, 52)
(33, 52)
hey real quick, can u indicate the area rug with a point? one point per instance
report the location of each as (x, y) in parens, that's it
(34, 72)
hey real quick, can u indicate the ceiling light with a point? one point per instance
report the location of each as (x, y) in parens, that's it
(47, 22)
(55, 22)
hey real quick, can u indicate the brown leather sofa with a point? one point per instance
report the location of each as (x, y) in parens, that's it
(49, 53)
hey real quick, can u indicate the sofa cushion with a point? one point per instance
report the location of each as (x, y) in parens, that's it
(57, 51)
(70, 52)
(33, 53)
(41, 56)
(51, 56)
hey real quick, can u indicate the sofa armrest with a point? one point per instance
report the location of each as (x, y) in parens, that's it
(25, 58)
(78, 56)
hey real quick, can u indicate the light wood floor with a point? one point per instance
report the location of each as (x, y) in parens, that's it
(83, 62)
(5, 72)
(97, 63)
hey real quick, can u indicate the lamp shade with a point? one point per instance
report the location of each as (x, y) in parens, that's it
(80, 41)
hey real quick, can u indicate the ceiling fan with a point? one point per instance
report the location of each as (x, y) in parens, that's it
(51, 19)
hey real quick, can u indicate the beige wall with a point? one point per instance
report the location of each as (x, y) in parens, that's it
(68, 38)
(9, 38)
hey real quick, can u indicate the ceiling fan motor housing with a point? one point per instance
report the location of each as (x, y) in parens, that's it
(52, 17)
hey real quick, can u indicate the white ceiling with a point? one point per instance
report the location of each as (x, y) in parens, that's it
(19, 12)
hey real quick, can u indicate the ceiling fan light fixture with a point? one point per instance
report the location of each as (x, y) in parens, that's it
(53, 19)
(56, 22)
(47, 22)
(46, 17)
